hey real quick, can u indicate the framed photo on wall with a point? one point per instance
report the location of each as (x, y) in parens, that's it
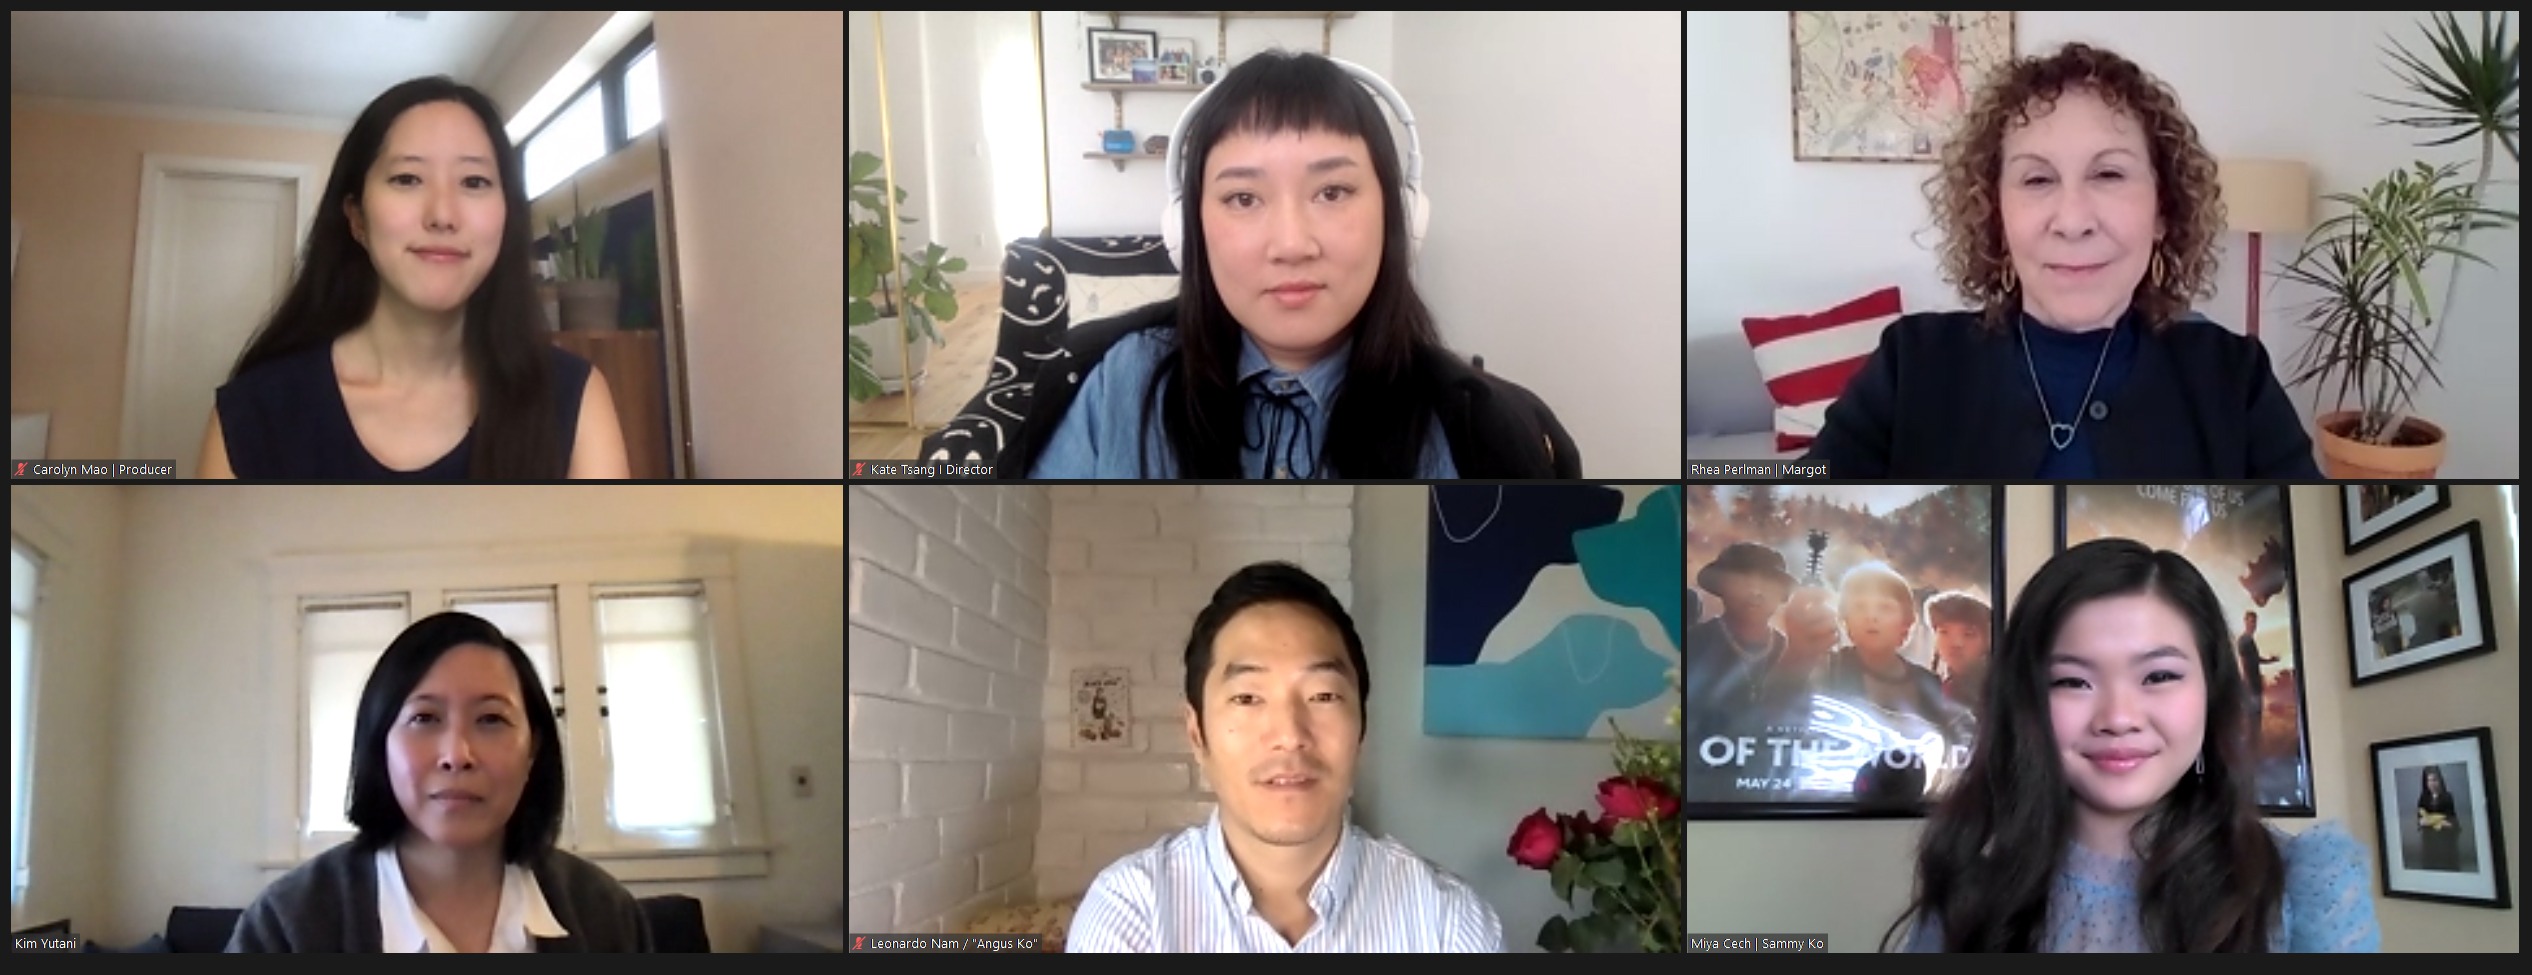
(2422, 607)
(1103, 708)
(1889, 85)
(1837, 645)
(1113, 52)
(2241, 539)
(2370, 511)
(2442, 834)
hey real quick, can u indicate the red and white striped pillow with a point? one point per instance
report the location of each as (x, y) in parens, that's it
(1807, 359)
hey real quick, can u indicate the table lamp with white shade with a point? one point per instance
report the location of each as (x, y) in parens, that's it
(2264, 196)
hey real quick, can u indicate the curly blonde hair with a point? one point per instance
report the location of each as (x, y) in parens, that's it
(1963, 192)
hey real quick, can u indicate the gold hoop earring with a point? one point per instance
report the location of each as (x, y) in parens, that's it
(2006, 282)
(2154, 271)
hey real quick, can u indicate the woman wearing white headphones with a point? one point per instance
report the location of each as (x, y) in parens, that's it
(1297, 346)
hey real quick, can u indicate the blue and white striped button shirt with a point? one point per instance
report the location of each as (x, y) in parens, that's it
(1183, 894)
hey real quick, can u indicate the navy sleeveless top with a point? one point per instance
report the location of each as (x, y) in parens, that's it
(286, 419)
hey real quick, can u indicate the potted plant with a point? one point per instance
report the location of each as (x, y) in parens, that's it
(588, 299)
(2376, 329)
(892, 312)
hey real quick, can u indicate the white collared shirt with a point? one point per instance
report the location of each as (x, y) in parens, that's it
(403, 929)
(1375, 895)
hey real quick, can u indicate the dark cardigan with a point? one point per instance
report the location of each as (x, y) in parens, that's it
(1944, 397)
(1497, 430)
(330, 904)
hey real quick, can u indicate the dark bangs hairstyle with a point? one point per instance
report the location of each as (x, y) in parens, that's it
(371, 803)
(337, 289)
(1257, 585)
(2210, 877)
(1384, 411)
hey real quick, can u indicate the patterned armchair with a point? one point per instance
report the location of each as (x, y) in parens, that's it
(1049, 284)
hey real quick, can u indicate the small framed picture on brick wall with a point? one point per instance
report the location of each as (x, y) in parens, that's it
(1103, 708)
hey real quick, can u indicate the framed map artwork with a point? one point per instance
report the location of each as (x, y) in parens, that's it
(1890, 85)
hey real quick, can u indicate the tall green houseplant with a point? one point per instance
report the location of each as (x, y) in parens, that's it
(2376, 327)
(915, 290)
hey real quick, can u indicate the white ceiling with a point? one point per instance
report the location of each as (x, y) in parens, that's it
(314, 64)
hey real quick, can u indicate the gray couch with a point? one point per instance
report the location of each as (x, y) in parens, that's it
(1729, 415)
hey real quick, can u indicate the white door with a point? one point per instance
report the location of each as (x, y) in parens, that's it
(216, 249)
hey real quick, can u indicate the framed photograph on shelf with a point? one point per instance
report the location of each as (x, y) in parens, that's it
(2437, 819)
(1889, 85)
(2371, 511)
(1113, 53)
(2420, 608)
(2241, 540)
(1178, 50)
(1835, 645)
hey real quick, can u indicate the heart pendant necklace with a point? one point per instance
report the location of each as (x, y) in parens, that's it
(2062, 435)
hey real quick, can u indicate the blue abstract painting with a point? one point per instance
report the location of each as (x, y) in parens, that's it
(1551, 610)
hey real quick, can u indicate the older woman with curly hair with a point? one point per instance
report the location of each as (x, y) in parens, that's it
(2081, 215)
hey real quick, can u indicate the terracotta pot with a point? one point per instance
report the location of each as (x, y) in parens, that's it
(2417, 452)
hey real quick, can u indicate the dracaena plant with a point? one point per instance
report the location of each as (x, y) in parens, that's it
(2376, 328)
(916, 288)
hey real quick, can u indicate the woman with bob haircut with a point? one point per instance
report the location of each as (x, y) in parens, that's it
(2111, 802)
(457, 791)
(1297, 346)
(2080, 216)
(411, 345)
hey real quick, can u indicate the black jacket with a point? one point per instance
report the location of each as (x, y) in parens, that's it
(1945, 398)
(1497, 430)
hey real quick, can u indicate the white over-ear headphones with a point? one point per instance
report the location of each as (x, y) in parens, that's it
(1411, 200)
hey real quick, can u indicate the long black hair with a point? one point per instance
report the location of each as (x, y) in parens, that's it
(1384, 411)
(2443, 790)
(370, 801)
(2211, 874)
(337, 289)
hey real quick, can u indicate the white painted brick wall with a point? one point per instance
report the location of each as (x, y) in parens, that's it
(1131, 566)
(945, 672)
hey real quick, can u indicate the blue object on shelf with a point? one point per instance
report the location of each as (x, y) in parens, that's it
(1116, 140)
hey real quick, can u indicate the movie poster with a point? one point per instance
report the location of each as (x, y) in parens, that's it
(1837, 647)
(2241, 540)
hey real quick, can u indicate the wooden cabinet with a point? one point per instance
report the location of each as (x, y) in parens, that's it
(636, 367)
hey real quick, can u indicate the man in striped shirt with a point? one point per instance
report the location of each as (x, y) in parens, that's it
(1276, 692)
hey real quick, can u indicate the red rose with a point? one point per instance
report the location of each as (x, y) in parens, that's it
(1623, 798)
(1537, 841)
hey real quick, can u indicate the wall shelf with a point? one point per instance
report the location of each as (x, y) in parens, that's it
(1121, 158)
(1238, 14)
(1121, 87)
(1221, 50)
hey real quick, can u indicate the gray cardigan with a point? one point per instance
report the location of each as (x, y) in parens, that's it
(330, 904)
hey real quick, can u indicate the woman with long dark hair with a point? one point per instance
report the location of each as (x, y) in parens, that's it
(2439, 827)
(1297, 346)
(411, 345)
(2110, 803)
